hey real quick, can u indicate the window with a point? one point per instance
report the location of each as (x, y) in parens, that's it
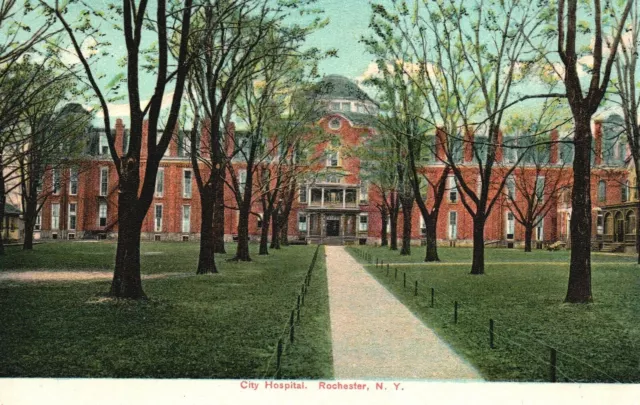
(157, 223)
(331, 178)
(453, 189)
(345, 106)
(424, 188)
(186, 218)
(334, 123)
(55, 217)
(160, 182)
(364, 192)
(624, 191)
(303, 194)
(259, 221)
(540, 230)
(361, 108)
(363, 223)
(602, 191)
(600, 223)
(511, 225)
(242, 179)
(73, 207)
(335, 106)
(38, 225)
(479, 185)
(103, 145)
(73, 181)
(302, 223)
(423, 226)
(55, 181)
(104, 181)
(540, 188)
(453, 225)
(511, 188)
(102, 214)
(332, 159)
(186, 183)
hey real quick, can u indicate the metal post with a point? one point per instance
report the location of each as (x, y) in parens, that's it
(387, 269)
(404, 284)
(298, 316)
(376, 262)
(395, 277)
(433, 296)
(491, 334)
(455, 312)
(554, 360)
(415, 293)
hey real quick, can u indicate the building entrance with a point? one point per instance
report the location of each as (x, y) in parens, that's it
(333, 227)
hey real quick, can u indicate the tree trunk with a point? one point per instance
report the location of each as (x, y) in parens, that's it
(284, 234)
(637, 194)
(264, 234)
(579, 288)
(407, 210)
(528, 235)
(432, 239)
(126, 277)
(393, 235)
(218, 216)
(242, 251)
(477, 265)
(275, 232)
(30, 214)
(384, 237)
(206, 259)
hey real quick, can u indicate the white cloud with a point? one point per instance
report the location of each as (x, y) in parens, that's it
(89, 47)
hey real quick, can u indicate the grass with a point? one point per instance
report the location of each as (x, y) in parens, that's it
(214, 326)
(598, 342)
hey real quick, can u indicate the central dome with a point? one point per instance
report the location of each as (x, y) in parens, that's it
(339, 87)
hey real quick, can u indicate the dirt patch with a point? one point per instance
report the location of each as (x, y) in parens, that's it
(48, 276)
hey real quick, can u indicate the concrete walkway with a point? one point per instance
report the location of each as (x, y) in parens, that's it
(375, 336)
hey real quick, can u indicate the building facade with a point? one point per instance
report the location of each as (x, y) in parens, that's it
(337, 206)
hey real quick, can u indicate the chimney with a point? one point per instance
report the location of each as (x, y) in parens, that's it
(597, 136)
(441, 142)
(468, 145)
(119, 140)
(499, 147)
(143, 141)
(205, 150)
(173, 143)
(553, 148)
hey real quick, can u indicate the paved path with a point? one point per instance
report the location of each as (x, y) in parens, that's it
(375, 336)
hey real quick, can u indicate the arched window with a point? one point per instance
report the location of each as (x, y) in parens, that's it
(624, 191)
(630, 223)
(602, 190)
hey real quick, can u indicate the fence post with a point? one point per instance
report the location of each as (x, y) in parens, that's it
(433, 295)
(304, 292)
(415, 293)
(291, 327)
(491, 333)
(554, 359)
(395, 277)
(455, 311)
(279, 358)
(298, 316)
(381, 263)
(387, 269)
(404, 283)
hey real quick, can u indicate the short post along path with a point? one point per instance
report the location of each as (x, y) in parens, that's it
(376, 336)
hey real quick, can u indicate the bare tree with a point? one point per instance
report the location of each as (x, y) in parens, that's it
(136, 190)
(583, 105)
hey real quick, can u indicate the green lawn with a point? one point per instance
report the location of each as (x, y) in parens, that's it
(492, 254)
(215, 326)
(598, 342)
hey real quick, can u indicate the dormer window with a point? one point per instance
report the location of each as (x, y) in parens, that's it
(334, 106)
(345, 107)
(334, 123)
(332, 159)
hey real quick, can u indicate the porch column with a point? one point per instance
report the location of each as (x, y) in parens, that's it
(343, 224)
(308, 224)
(322, 198)
(322, 223)
(344, 198)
